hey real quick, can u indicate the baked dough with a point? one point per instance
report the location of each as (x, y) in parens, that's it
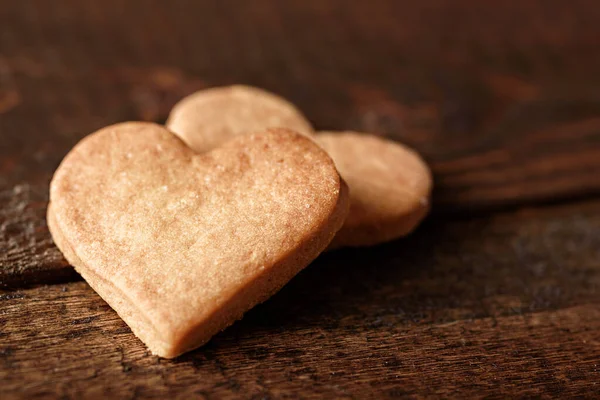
(181, 244)
(208, 118)
(390, 187)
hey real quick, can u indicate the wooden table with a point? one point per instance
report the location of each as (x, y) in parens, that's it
(497, 294)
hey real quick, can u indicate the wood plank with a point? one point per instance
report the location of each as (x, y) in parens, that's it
(27, 253)
(501, 99)
(499, 305)
(65, 342)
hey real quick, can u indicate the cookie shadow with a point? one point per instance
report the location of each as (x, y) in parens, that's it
(348, 287)
(351, 281)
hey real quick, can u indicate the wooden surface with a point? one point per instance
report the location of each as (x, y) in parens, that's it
(498, 294)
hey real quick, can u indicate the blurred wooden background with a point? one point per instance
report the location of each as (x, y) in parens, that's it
(498, 294)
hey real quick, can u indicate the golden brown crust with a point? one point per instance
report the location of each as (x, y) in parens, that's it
(390, 187)
(208, 118)
(181, 245)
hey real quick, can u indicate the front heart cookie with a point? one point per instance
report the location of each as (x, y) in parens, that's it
(180, 244)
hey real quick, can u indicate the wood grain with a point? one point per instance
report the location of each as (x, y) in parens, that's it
(28, 254)
(503, 100)
(495, 306)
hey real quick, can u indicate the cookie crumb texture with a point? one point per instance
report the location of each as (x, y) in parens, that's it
(180, 244)
(208, 118)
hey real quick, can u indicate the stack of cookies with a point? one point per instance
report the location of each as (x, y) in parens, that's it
(181, 229)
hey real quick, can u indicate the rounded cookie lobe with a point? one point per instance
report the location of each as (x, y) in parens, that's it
(181, 244)
(206, 119)
(389, 184)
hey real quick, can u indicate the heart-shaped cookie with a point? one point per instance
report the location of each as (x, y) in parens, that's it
(210, 117)
(390, 184)
(181, 244)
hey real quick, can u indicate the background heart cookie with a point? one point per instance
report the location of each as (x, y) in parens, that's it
(206, 119)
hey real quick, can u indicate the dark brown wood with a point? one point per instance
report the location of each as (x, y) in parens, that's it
(495, 306)
(500, 97)
(28, 254)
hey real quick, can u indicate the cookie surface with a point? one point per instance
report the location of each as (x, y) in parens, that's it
(389, 185)
(206, 119)
(181, 244)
